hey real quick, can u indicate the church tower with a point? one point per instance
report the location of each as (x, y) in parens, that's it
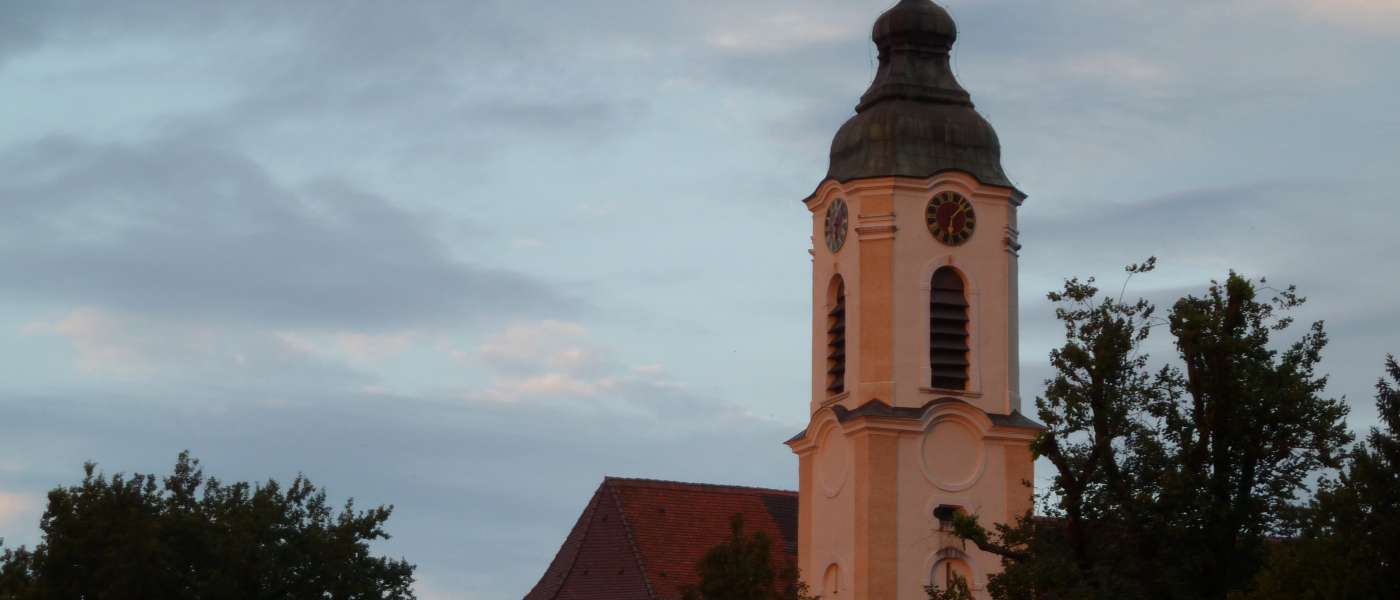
(915, 409)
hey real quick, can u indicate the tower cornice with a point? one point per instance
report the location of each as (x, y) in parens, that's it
(830, 188)
(880, 415)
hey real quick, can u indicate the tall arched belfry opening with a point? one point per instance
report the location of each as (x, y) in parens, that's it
(915, 408)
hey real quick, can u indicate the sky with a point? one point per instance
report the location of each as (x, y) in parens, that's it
(468, 258)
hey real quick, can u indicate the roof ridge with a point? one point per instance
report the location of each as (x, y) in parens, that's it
(712, 487)
(581, 529)
(631, 539)
(582, 536)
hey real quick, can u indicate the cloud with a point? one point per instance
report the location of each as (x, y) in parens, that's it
(183, 228)
(16, 508)
(105, 344)
(1120, 68)
(145, 349)
(781, 31)
(1284, 223)
(353, 346)
(1365, 14)
(18, 30)
(538, 345)
(554, 115)
(557, 363)
(1310, 232)
(544, 386)
(543, 360)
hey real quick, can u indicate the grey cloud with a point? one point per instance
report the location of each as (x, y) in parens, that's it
(179, 228)
(1294, 225)
(1321, 234)
(465, 72)
(590, 119)
(19, 29)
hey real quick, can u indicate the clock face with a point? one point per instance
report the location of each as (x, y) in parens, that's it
(950, 218)
(837, 222)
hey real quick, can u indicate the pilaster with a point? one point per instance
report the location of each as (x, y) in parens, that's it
(875, 229)
(876, 514)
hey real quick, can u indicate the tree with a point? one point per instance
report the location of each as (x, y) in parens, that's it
(741, 568)
(1252, 431)
(190, 537)
(957, 590)
(1094, 408)
(1348, 546)
(1169, 482)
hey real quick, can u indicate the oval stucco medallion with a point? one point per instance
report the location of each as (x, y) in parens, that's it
(953, 455)
(833, 461)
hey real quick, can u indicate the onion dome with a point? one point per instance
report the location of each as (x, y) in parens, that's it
(915, 120)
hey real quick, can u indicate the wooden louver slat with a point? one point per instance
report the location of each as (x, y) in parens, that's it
(836, 343)
(950, 297)
(948, 342)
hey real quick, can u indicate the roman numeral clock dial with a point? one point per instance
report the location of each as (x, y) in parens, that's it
(950, 218)
(837, 222)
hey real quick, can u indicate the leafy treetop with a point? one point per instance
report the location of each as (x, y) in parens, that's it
(188, 536)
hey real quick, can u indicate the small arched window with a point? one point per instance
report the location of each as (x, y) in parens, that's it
(831, 582)
(951, 573)
(836, 338)
(948, 346)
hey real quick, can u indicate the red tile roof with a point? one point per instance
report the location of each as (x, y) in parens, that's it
(641, 539)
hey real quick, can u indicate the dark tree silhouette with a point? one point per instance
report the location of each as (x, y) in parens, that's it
(190, 537)
(741, 568)
(1348, 547)
(1169, 482)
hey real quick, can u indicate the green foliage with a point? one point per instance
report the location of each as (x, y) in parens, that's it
(16, 573)
(1034, 550)
(192, 537)
(1170, 481)
(957, 590)
(1349, 543)
(1253, 431)
(741, 568)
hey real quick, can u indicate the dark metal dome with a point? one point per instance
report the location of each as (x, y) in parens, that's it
(915, 120)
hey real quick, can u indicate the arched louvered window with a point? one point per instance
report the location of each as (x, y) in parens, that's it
(836, 338)
(948, 346)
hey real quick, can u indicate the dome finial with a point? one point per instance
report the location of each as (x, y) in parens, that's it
(914, 39)
(915, 120)
(919, 20)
